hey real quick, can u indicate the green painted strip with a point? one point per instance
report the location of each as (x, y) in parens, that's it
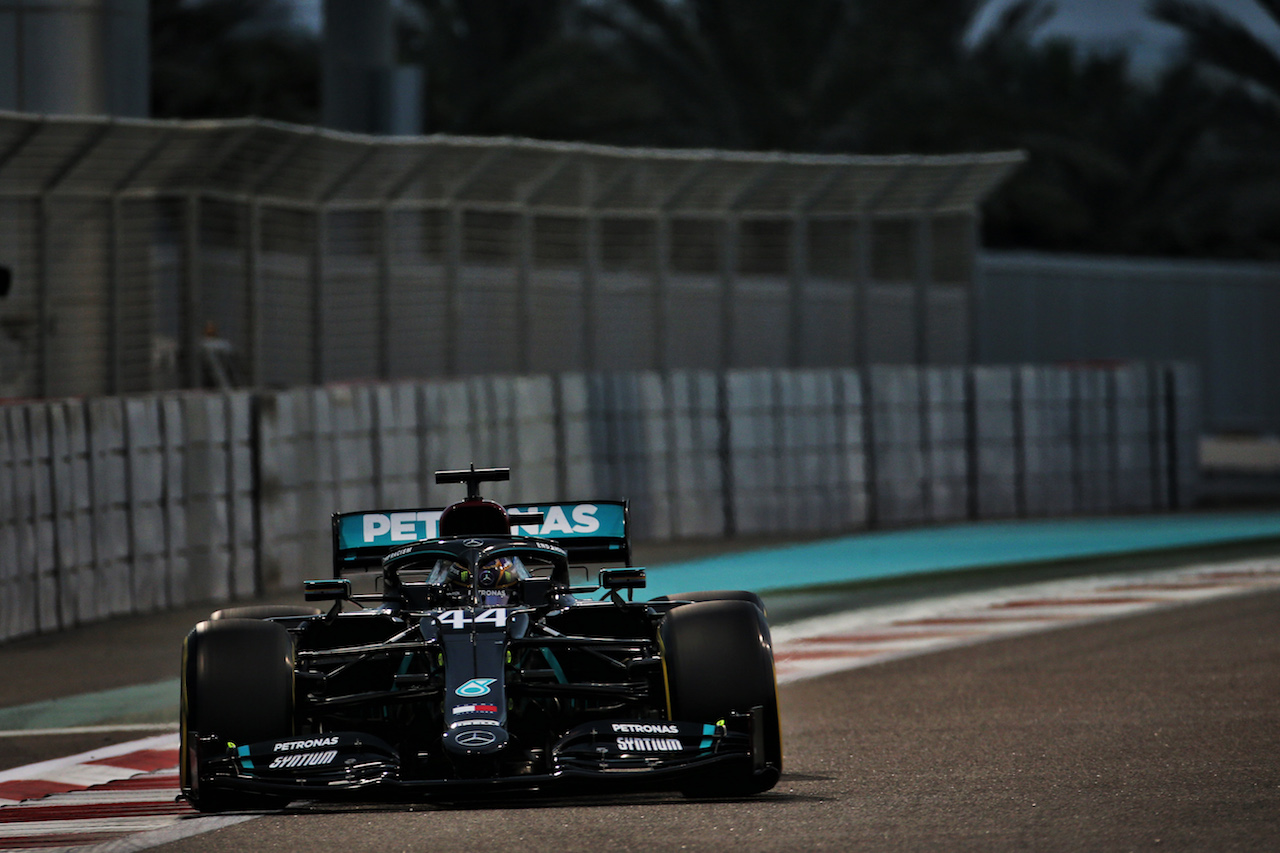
(91, 730)
(142, 703)
(901, 553)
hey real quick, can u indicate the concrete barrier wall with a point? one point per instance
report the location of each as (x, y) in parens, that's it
(852, 466)
(1181, 409)
(898, 445)
(996, 440)
(112, 506)
(815, 493)
(1048, 485)
(946, 441)
(1094, 425)
(755, 462)
(698, 435)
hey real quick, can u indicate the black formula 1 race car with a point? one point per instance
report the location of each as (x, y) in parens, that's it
(476, 665)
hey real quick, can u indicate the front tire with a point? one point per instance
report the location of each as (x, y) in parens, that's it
(237, 683)
(717, 659)
(717, 595)
(263, 611)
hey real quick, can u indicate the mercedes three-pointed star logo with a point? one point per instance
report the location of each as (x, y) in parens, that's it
(475, 738)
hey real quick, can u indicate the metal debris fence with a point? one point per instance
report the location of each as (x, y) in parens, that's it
(119, 505)
(146, 253)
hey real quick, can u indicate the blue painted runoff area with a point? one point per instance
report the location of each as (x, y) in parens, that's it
(901, 553)
(142, 703)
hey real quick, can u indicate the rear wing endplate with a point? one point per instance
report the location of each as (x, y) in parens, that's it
(590, 531)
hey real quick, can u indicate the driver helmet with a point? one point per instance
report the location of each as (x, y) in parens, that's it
(497, 578)
(501, 573)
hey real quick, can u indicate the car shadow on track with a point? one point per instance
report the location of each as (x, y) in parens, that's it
(536, 801)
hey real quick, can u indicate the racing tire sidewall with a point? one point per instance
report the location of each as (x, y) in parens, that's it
(237, 683)
(717, 659)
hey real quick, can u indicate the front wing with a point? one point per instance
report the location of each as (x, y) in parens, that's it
(652, 754)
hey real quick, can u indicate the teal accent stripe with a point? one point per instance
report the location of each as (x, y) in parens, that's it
(899, 553)
(555, 665)
(142, 703)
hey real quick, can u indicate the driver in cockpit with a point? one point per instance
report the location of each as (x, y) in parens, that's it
(496, 581)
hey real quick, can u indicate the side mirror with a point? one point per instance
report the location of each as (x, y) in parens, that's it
(331, 589)
(616, 579)
(536, 592)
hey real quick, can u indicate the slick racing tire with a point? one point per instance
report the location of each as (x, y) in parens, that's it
(237, 683)
(717, 595)
(717, 658)
(263, 611)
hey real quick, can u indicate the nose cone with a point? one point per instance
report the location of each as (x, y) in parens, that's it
(475, 740)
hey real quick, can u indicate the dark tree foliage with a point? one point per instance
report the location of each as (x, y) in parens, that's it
(1183, 163)
(232, 58)
(1242, 71)
(1114, 164)
(1216, 40)
(818, 75)
(517, 68)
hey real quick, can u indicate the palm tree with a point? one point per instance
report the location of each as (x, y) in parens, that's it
(515, 67)
(801, 76)
(232, 58)
(1117, 163)
(1248, 122)
(1224, 43)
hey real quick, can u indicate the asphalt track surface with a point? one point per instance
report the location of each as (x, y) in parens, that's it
(1152, 732)
(1157, 731)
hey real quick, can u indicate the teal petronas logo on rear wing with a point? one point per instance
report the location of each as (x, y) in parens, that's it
(573, 520)
(589, 530)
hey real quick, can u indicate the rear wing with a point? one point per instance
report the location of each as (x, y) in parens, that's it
(591, 532)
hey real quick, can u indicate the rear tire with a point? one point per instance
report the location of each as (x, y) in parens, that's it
(717, 658)
(237, 683)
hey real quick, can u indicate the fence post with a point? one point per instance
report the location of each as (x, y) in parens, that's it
(728, 280)
(872, 463)
(193, 295)
(725, 445)
(923, 248)
(1017, 401)
(115, 252)
(452, 287)
(661, 286)
(861, 302)
(44, 297)
(591, 292)
(799, 269)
